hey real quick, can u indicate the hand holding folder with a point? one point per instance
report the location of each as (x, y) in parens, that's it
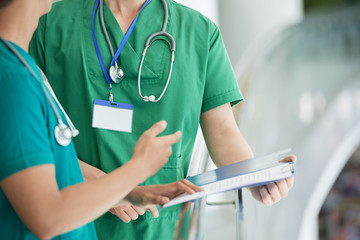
(249, 173)
(273, 192)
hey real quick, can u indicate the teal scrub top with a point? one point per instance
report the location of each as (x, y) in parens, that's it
(27, 126)
(202, 79)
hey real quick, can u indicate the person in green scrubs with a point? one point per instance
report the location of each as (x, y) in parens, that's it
(202, 90)
(42, 194)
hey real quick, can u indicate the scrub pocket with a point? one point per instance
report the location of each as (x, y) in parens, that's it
(170, 172)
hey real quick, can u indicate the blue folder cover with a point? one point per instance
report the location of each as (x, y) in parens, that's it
(236, 169)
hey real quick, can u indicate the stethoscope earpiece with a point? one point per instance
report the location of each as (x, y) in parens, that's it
(172, 46)
(149, 98)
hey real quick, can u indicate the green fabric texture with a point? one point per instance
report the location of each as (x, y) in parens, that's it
(27, 126)
(202, 79)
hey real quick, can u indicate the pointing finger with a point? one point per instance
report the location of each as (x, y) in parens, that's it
(185, 188)
(192, 186)
(172, 138)
(157, 128)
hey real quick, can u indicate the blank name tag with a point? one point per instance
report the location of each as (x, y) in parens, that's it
(112, 115)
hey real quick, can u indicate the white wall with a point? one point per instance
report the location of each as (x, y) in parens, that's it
(242, 21)
(209, 8)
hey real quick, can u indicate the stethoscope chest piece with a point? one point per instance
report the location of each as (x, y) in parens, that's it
(63, 135)
(116, 74)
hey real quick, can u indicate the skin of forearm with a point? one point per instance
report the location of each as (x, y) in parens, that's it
(90, 172)
(229, 148)
(101, 194)
(226, 145)
(47, 211)
(224, 141)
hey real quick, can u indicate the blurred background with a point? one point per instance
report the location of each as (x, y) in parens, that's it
(298, 66)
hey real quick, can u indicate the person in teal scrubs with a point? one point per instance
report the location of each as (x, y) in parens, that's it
(42, 194)
(202, 89)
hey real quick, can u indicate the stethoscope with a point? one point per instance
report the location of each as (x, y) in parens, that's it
(63, 133)
(116, 73)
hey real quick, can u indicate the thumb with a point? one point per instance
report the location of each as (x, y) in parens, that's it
(291, 158)
(158, 200)
(164, 200)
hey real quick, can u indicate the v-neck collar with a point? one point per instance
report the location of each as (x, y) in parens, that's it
(112, 26)
(109, 17)
(131, 55)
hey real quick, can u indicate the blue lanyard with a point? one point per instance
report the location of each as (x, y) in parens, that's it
(122, 44)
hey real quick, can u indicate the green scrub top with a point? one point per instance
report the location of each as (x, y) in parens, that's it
(202, 79)
(27, 126)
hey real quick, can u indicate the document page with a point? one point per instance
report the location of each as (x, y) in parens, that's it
(221, 180)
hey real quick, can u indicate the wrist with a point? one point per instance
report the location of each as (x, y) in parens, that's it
(142, 170)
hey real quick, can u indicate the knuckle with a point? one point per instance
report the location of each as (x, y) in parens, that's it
(282, 191)
(156, 128)
(266, 198)
(169, 152)
(271, 187)
(146, 134)
(263, 192)
(285, 194)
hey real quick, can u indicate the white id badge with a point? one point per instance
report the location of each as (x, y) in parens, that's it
(112, 115)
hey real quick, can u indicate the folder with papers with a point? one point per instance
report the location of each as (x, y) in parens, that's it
(248, 173)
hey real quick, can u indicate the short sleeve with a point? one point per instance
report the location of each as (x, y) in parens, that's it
(24, 132)
(221, 86)
(37, 44)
